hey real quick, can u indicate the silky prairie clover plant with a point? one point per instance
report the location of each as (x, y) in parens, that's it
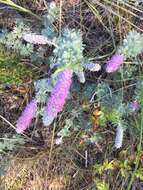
(131, 47)
(67, 59)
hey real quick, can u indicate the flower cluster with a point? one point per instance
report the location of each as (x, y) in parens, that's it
(134, 105)
(58, 96)
(119, 136)
(114, 63)
(35, 39)
(92, 67)
(132, 46)
(26, 117)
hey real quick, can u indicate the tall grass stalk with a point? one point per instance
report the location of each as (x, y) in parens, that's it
(110, 7)
(19, 8)
(139, 149)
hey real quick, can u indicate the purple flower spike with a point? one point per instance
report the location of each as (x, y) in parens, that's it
(26, 117)
(58, 97)
(114, 63)
(133, 106)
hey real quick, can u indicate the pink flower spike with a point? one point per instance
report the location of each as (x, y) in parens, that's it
(114, 63)
(58, 97)
(26, 117)
(134, 105)
(35, 39)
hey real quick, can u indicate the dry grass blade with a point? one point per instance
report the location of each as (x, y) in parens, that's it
(109, 9)
(19, 8)
(118, 5)
(96, 13)
(132, 6)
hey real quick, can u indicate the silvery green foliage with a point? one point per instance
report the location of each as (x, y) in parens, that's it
(139, 91)
(49, 32)
(122, 109)
(38, 56)
(106, 97)
(69, 50)
(42, 87)
(81, 76)
(13, 40)
(94, 138)
(53, 12)
(65, 132)
(49, 19)
(119, 136)
(132, 44)
(88, 90)
(5, 162)
(9, 143)
(114, 104)
(82, 120)
(69, 53)
(127, 71)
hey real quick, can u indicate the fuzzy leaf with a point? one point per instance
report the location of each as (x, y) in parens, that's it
(132, 44)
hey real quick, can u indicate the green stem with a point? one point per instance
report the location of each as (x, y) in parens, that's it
(19, 8)
(139, 149)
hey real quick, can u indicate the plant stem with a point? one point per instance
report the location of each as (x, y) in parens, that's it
(139, 149)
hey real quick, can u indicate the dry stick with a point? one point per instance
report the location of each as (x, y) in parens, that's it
(60, 21)
(51, 148)
(93, 9)
(7, 121)
(4, 119)
(132, 6)
(86, 157)
(19, 8)
(124, 9)
(114, 13)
